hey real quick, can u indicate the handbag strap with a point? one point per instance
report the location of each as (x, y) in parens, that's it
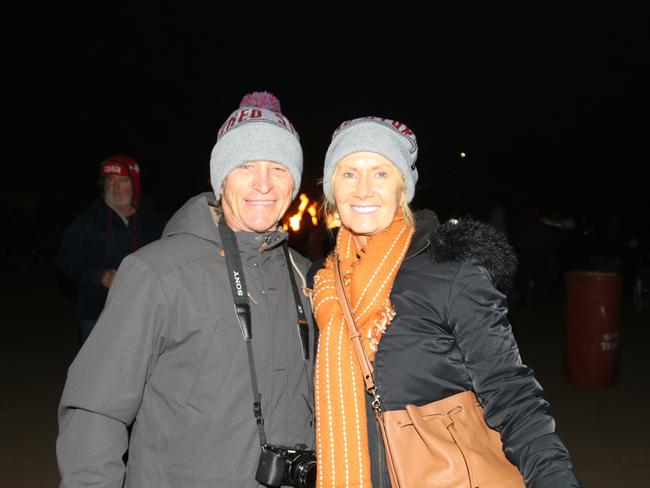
(355, 336)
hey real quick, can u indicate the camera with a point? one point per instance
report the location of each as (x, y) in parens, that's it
(291, 466)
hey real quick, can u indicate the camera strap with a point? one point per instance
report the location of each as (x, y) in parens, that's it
(243, 312)
(302, 327)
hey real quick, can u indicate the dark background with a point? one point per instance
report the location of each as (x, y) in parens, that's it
(548, 100)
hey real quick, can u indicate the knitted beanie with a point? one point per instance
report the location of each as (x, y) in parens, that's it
(390, 138)
(256, 131)
(123, 165)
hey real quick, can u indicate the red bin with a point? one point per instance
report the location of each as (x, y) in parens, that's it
(593, 300)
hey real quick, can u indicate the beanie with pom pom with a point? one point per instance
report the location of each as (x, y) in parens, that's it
(256, 131)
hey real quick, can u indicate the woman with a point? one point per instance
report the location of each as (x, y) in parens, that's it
(426, 298)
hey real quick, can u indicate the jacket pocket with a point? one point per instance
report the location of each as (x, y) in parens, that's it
(213, 364)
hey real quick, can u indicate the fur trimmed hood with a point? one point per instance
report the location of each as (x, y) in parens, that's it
(460, 240)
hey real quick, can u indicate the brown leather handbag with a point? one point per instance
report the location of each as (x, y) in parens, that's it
(444, 444)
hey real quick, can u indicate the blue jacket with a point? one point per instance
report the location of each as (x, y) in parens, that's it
(98, 239)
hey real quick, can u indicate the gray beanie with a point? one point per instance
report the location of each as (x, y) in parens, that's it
(256, 131)
(390, 138)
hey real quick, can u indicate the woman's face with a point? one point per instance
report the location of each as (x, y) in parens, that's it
(368, 190)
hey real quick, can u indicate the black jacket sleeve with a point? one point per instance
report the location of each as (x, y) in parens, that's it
(511, 396)
(74, 258)
(313, 269)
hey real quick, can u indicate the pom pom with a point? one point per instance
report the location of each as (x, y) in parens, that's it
(261, 100)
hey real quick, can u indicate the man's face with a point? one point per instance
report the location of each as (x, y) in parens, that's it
(118, 190)
(255, 196)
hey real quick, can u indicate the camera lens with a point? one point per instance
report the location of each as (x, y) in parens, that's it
(303, 471)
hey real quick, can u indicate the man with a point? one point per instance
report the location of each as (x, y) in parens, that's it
(168, 355)
(101, 236)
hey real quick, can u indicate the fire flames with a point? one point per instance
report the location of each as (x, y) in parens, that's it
(333, 221)
(294, 221)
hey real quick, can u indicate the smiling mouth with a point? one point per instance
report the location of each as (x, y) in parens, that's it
(260, 203)
(364, 209)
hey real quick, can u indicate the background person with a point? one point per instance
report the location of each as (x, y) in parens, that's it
(99, 237)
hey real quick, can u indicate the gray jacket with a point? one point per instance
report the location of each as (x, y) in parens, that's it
(168, 358)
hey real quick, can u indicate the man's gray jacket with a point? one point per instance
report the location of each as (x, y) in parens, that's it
(168, 358)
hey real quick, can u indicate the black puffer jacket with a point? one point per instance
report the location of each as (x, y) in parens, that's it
(451, 333)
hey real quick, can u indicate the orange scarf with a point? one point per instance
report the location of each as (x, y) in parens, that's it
(341, 432)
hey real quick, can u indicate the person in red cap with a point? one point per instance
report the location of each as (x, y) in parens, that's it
(101, 236)
(120, 176)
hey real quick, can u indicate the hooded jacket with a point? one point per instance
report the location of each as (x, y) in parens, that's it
(451, 334)
(168, 358)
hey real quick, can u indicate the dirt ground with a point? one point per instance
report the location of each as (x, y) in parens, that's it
(602, 426)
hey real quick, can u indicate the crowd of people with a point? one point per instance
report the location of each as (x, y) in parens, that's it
(549, 243)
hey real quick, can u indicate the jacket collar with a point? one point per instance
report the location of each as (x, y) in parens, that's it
(426, 223)
(254, 241)
(465, 239)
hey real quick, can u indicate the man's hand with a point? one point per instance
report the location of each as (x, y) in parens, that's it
(107, 277)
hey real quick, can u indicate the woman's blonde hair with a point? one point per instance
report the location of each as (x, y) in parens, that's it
(329, 210)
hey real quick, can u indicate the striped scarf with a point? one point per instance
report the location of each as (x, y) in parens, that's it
(341, 432)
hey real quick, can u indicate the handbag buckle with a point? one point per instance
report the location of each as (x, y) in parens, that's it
(376, 400)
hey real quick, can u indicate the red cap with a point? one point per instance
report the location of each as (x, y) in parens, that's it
(123, 165)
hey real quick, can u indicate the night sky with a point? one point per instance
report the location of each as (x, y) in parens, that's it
(549, 100)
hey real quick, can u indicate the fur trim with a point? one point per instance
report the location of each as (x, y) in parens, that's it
(470, 239)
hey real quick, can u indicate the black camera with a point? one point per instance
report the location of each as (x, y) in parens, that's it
(290, 466)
